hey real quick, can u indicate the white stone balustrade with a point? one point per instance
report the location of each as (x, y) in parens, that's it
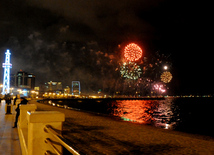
(23, 126)
(23, 114)
(31, 129)
(36, 135)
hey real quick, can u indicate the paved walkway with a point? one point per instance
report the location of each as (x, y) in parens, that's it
(96, 135)
(9, 140)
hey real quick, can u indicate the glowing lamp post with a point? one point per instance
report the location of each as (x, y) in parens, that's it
(6, 80)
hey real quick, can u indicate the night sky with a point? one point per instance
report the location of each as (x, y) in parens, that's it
(44, 38)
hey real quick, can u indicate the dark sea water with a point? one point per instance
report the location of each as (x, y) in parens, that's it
(192, 115)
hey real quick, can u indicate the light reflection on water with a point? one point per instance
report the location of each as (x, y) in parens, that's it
(158, 113)
(194, 115)
(164, 115)
(139, 111)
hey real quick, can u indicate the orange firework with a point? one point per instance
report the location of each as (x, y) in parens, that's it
(132, 52)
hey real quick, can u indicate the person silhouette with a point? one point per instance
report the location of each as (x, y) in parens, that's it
(23, 101)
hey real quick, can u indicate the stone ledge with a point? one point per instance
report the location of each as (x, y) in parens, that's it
(27, 107)
(45, 116)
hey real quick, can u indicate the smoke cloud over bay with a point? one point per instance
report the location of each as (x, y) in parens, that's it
(79, 40)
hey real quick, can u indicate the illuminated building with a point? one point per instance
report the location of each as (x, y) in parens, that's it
(6, 80)
(36, 88)
(53, 87)
(23, 80)
(76, 89)
(67, 90)
(31, 80)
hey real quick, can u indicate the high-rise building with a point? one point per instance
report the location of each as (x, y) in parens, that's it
(76, 89)
(31, 80)
(67, 90)
(53, 86)
(23, 80)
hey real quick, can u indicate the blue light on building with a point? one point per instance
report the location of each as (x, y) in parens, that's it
(25, 92)
(76, 89)
(6, 80)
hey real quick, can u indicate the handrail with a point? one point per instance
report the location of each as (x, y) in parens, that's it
(49, 153)
(60, 139)
(51, 144)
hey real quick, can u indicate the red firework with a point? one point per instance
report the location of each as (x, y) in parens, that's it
(132, 52)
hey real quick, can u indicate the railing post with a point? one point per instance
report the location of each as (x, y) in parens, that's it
(36, 135)
(23, 114)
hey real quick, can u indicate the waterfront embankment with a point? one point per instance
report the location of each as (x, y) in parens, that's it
(98, 134)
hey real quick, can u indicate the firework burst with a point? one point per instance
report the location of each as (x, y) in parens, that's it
(166, 77)
(130, 70)
(132, 52)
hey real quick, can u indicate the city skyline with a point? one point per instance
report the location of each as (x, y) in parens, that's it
(41, 36)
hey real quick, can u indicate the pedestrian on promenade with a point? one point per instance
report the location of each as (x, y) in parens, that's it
(8, 99)
(14, 103)
(23, 101)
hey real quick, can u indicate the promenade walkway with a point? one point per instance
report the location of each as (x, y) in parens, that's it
(96, 135)
(9, 140)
